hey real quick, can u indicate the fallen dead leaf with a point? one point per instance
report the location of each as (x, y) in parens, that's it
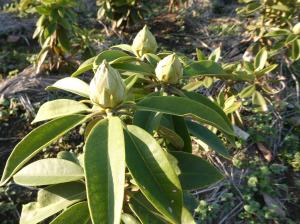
(266, 152)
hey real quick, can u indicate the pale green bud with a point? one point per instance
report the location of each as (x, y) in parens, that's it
(169, 69)
(296, 29)
(107, 88)
(144, 42)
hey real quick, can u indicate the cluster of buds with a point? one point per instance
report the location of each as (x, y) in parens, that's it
(107, 88)
(144, 42)
(169, 69)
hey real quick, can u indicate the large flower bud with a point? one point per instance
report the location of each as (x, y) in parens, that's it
(296, 29)
(107, 88)
(144, 42)
(169, 69)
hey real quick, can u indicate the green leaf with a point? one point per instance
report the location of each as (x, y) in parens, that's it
(123, 59)
(144, 210)
(134, 67)
(72, 85)
(51, 200)
(291, 38)
(171, 136)
(265, 70)
(260, 59)
(200, 55)
(181, 129)
(67, 155)
(280, 7)
(47, 172)
(182, 106)
(193, 85)
(59, 108)
(124, 47)
(37, 140)
(247, 91)
(215, 55)
(231, 105)
(278, 32)
(259, 100)
(151, 170)
(195, 172)
(109, 56)
(152, 59)
(207, 137)
(130, 81)
(63, 39)
(147, 120)
(104, 163)
(204, 68)
(85, 66)
(129, 219)
(76, 214)
(148, 214)
(295, 51)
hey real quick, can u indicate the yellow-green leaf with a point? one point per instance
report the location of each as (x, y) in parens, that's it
(59, 108)
(104, 164)
(73, 85)
(153, 173)
(48, 171)
(36, 140)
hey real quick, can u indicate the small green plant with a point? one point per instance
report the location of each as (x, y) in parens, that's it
(54, 29)
(121, 13)
(137, 159)
(276, 19)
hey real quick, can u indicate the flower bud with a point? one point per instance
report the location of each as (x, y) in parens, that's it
(107, 88)
(296, 29)
(169, 69)
(144, 42)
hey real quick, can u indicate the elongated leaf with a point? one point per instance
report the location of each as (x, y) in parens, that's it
(207, 137)
(129, 219)
(52, 200)
(72, 85)
(152, 58)
(261, 59)
(59, 108)
(134, 67)
(67, 155)
(200, 55)
(153, 173)
(259, 100)
(130, 81)
(124, 59)
(148, 214)
(85, 66)
(204, 100)
(295, 51)
(144, 210)
(215, 55)
(147, 120)
(181, 129)
(182, 106)
(104, 163)
(38, 139)
(205, 67)
(195, 172)
(109, 56)
(124, 47)
(48, 171)
(247, 91)
(76, 214)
